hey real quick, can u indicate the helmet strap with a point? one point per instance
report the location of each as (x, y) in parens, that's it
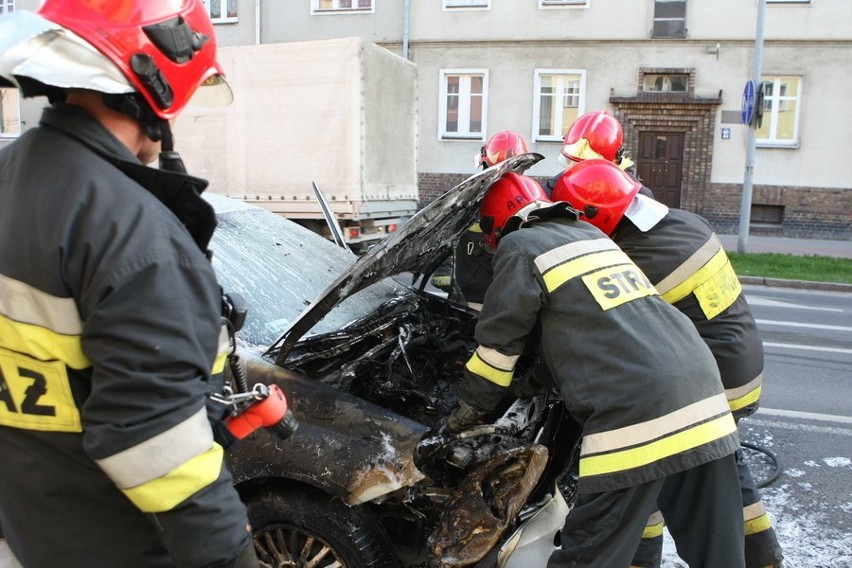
(157, 129)
(170, 161)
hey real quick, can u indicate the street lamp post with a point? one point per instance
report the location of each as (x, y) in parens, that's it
(745, 205)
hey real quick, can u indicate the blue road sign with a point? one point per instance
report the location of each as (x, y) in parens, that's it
(748, 103)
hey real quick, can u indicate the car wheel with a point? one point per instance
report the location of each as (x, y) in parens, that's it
(304, 528)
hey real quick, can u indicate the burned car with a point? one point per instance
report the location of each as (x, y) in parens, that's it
(370, 360)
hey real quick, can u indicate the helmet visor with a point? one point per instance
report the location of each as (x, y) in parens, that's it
(213, 92)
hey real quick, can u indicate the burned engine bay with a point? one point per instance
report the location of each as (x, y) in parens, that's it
(409, 358)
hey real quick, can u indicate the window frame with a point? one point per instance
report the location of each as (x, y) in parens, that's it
(446, 7)
(7, 6)
(317, 11)
(16, 113)
(563, 4)
(655, 19)
(222, 19)
(772, 115)
(443, 76)
(536, 118)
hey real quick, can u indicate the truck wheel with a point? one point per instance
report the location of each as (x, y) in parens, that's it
(304, 528)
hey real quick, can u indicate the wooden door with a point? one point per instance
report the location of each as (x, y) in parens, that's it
(660, 165)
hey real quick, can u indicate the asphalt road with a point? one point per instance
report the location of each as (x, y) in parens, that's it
(805, 420)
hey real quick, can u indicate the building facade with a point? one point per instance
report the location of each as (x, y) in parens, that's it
(672, 71)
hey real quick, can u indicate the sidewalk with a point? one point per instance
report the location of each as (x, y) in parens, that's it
(785, 245)
(756, 243)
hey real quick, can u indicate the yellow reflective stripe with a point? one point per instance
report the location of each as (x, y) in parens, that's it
(497, 359)
(653, 530)
(661, 449)
(482, 369)
(719, 291)
(565, 272)
(706, 272)
(694, 271)
(643, 432)
(745, 395)
(222, 351)
(23, 303)
(756, 519)
(178, 485)
(690, 266)
(157, 456)
(475, 228)
(42, 343)
(570, 251)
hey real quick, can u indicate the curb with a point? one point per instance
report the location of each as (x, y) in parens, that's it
(801, 284)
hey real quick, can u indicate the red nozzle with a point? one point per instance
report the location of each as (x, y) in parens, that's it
(270, 412)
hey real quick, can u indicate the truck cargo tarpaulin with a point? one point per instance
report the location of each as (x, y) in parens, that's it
(339, 112)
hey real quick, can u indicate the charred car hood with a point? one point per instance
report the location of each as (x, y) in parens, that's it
(419, 246)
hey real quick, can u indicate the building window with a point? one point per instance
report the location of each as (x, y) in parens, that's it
(560, 97)
(464, 98)
(665, 83)
(669, 18)
(7, 6)
(10, 112)
(780, 123)
(767, 214)
(470, 4)
(222, 11)
(563, 3)
(341, 6)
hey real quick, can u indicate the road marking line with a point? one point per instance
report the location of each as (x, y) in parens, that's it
(809, 325)
(805, 415)
(808, 347)
(761, 301)
(799, 427)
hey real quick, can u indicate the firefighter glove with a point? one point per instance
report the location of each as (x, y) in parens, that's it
(464, 416)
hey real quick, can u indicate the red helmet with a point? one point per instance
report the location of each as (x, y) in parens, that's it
(600, 189)
(594, 135)
(502, 146)
(504, 199)
(165, 48)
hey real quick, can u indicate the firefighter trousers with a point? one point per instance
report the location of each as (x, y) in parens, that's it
(701, 506)
(761, 544)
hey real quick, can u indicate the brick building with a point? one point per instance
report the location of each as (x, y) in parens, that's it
(673, 72)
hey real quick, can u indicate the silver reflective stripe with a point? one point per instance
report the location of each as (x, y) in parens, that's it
(554, 257)
(157, 456)
(736, 393)
(753, 511)
(496, 359)
(691, 265)
(656, 428)
(21, 302)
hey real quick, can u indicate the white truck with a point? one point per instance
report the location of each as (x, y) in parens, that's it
(341, 113)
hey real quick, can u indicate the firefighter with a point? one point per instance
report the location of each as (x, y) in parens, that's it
(686, 263)
(595, 135)
(111, 337)
(471, 266)
(651, 438)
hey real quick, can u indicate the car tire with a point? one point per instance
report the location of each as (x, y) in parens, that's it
(303, 527)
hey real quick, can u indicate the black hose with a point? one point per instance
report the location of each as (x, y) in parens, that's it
(772, 457)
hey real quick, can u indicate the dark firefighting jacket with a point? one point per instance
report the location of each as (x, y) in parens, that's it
(631, 369)
(473, 265)
(687, 264)
(109, 329)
